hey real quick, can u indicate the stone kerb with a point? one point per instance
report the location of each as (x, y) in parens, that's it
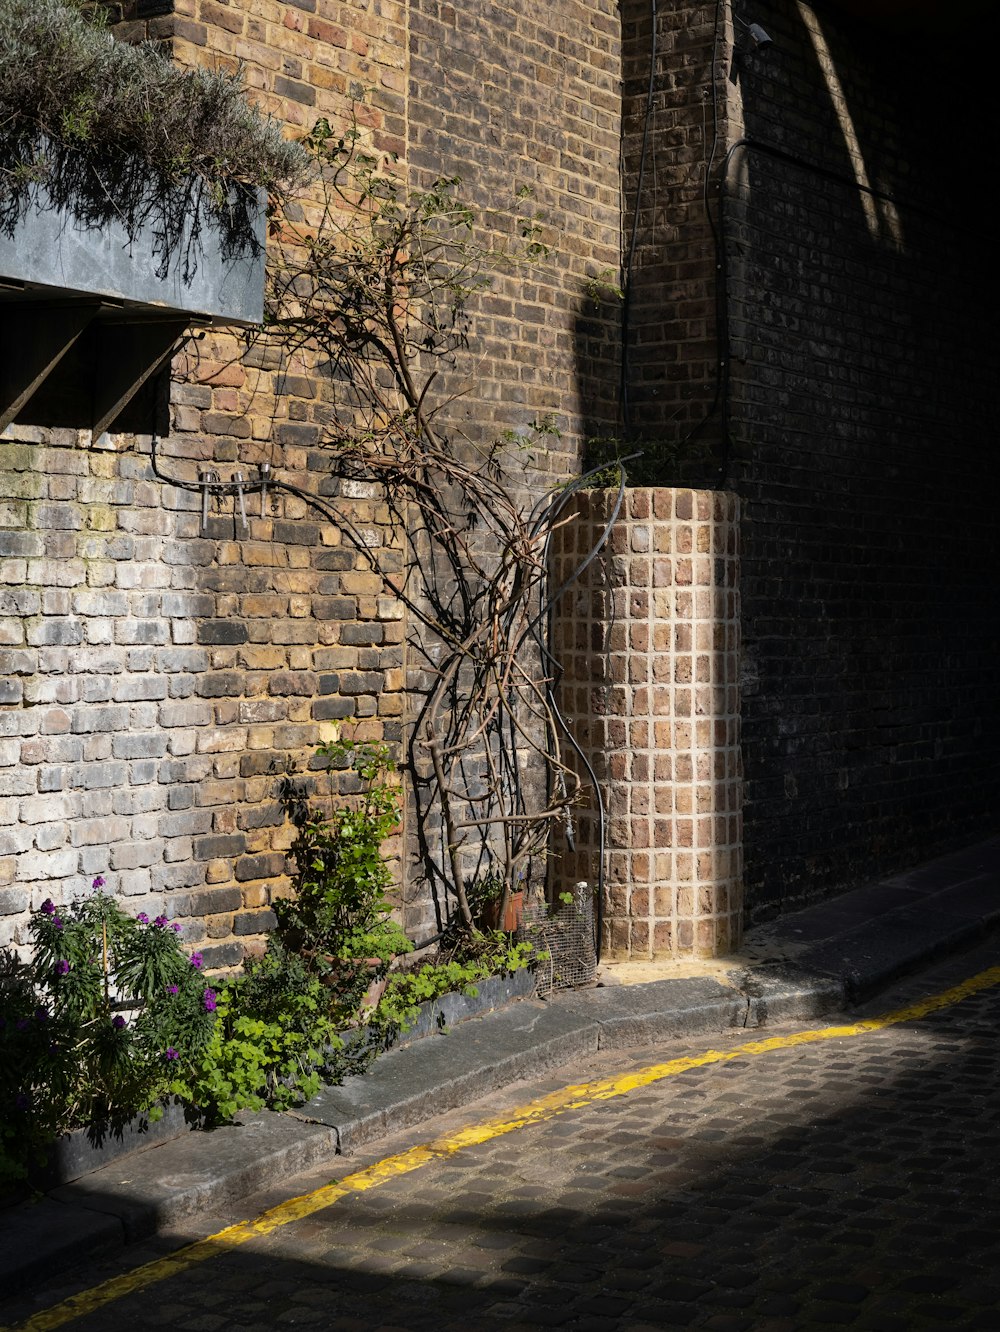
(649, 642)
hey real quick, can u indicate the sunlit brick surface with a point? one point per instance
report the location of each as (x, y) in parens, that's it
(649, 642)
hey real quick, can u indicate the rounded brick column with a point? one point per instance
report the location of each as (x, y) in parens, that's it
(649, 643)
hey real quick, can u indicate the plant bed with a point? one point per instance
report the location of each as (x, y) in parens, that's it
(177, 256)
(437, 1015)
(79, 1152)
(132, 204)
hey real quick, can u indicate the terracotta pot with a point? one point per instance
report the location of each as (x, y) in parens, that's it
(514, 912)
(489, 916)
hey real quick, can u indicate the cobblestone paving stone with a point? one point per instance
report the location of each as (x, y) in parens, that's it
(848, 1184)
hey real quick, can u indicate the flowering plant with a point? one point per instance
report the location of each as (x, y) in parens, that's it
(273, 1039)
(111, 1017)
(86, 1027)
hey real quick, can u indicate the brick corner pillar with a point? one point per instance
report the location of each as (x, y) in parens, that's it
(648, 639)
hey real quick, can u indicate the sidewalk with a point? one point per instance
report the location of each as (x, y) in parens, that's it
(796, 968)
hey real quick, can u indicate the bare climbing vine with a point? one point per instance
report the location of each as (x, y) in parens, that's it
(377, 283)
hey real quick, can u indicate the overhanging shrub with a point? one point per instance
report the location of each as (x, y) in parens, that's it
(104, 124)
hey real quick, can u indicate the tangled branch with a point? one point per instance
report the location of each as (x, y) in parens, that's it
(377, 283)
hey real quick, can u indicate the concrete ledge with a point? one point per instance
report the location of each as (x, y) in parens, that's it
(783, 992)
(414, 1082)
(76, 1155)
(639, 1015)
(199, 1171)
(868, 958)
(494, 992)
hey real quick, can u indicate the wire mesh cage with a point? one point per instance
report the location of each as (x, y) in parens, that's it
(566, 933)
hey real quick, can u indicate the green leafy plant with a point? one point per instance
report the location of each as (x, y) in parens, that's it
(340, 912)
(273, 1040)
(604, 286)
(111, 1017)
(400, 1004)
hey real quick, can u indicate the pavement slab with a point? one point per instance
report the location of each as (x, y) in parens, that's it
(659, 1011)
(197, 1172)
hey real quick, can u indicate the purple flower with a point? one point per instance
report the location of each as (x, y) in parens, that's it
(142, 918)
(62, 967)
(196, 959)
(209, 1001)
(48, 907)
(160, 921)
(41, 1015)
(57, 922)
(176, 927)
(22, 1102)
(118, 1022)
(170, 1053)
(171, 989)
(98, 883)
(23, 1024)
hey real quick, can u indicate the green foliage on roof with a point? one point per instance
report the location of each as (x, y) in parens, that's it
(103, 124)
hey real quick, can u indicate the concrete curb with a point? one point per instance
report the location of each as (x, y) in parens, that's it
(132, 1197)
(841, 956)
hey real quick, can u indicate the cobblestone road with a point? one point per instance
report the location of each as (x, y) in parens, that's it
(852, 1183)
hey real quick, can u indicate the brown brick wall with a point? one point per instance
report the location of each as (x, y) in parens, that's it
(511, 98)
(671, 352)
(194, 668)
(859, 413)
(858, 403)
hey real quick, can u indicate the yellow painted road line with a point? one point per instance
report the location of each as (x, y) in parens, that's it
(534, 1112)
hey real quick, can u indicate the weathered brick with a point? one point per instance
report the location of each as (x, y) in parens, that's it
(134, 688)
(47, 633)
(43, 809)
(221, 684)
(90, 719)
(185, 823)
(185, 714)
(18, 662)
(167, 878)
(139, 746)
(334, 709)
(47, 865)
(228, 845)
(142, 631)
(292, 682)
(254, 922)
(222, 631)
(14, 901)
(228, 792)
(334, 608)
(262, 763)
(208, 902)
(267, 865)
(98, 776)
(11, 691)
(221, 956)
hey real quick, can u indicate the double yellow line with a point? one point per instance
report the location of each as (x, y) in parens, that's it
(404, 1163)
